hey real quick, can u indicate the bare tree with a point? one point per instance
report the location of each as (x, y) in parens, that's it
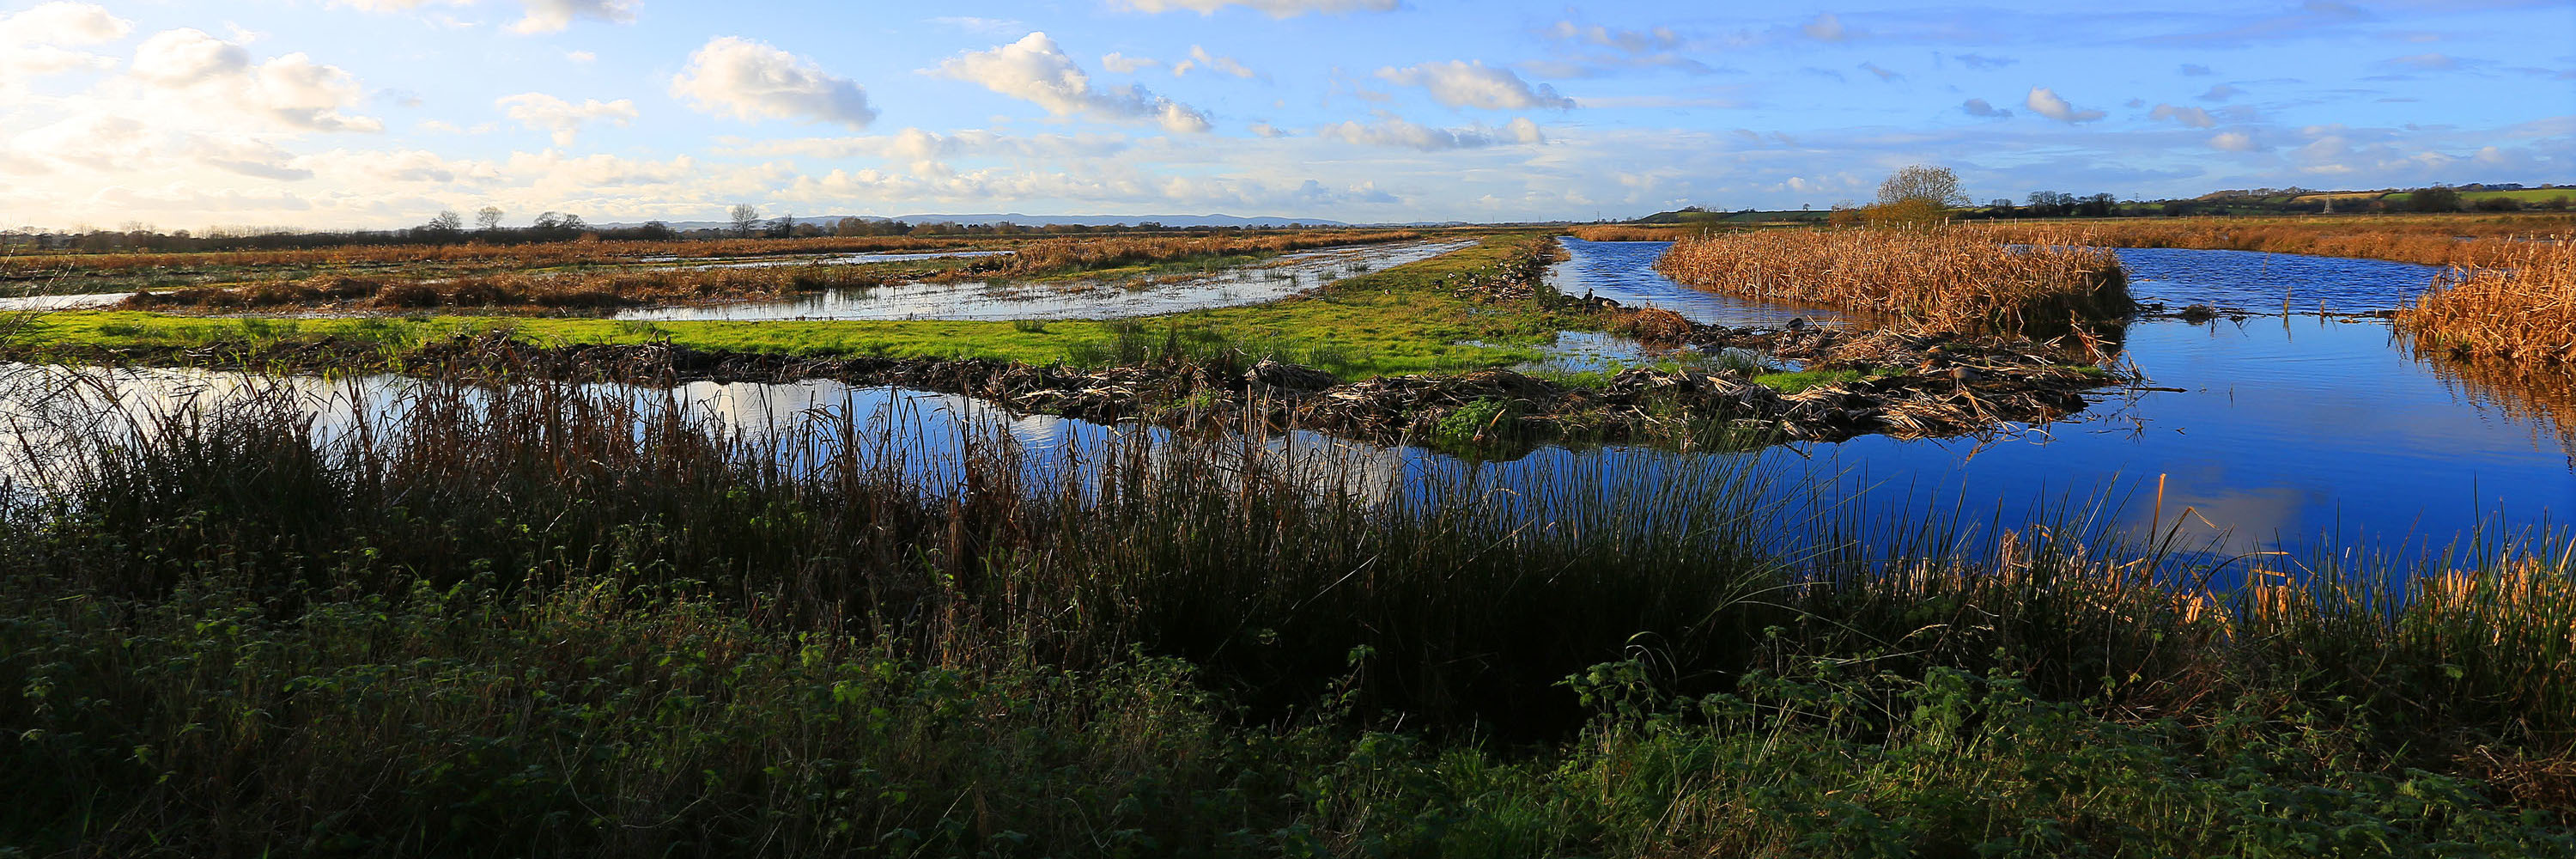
(488, 218)
(746, 218)
(445, 222)
(1925, 183)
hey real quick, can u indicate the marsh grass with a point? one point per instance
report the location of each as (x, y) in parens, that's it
(2439, 240)
(581, 620)
(1936, 279)
(2519, 308)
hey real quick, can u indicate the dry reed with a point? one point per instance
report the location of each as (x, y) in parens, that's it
(1939, 279)
(2426, 240)
(2521, 307)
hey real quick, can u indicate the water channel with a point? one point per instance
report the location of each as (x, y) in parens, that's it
(2297, 432)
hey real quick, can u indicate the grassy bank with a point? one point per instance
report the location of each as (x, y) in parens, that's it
(1403, 320)
(534, 621)
(1941, 279)
(2442, 240)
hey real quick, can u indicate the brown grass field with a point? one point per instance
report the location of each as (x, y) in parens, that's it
(537, 255)
(1941, 279)
(2421, 239)
(2519, 307)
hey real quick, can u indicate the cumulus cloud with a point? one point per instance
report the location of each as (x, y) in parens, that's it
(1825, 28)
(562, 118)
(552, 16)
(61, 23)
(1201, 59)
(2191, 116)
(2233, 141)
(2045, 102)
(1274, 8)
(38, 41)
(292, 89)
(750, 80)
(1979, 107)
(2221, 92)
(1458, 83)
(1036, 70)
(1395, 131)
(1883, 74)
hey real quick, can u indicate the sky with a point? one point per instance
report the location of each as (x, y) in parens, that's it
(380, 113)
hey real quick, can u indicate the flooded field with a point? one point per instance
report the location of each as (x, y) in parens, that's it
(1271, 280)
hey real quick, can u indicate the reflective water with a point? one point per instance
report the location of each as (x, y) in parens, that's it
(833, 259)
(1625, 272)
(2259, 282)
(2286, 428)
(1287, 275)
(2294, 433)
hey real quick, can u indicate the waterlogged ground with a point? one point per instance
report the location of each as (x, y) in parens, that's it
(1270, 280)
(2271, 432)
(2284, 430)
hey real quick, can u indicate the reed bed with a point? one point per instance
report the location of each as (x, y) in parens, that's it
(577, 620)
(534, 254)
(2431, 240)
(541, 254)
(584, 290)
(1055, 256)
(2521, 307)
(1936, 279)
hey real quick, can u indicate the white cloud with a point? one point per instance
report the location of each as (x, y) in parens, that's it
(562, 118)
(1626, 41)
(552, 16)
(1882, 73)
(61, 23)
(581, 56)
(751, 80)
(2233, 141)
(1127, 65)
(1275, 8)
(2221, 92)
(2190, 116)
(2045, 102)
(1459, 83)
(1200, 58)
(1394, 131)
(1036, 70)
(217, 75)
(1268, 130)
(1825, 28)
(187, 56)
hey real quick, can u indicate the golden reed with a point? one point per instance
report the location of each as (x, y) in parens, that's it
(1940, 278)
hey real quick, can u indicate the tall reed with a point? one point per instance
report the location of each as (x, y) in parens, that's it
(2425, 240)
(1942, 278)
(2520, 307)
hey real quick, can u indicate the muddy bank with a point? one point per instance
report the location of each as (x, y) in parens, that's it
(1923, 387)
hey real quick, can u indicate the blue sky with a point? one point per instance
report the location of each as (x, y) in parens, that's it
(321, 113)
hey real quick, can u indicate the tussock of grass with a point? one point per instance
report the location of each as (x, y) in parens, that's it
(2522, 307)
(1936, 279)
(2442, 240)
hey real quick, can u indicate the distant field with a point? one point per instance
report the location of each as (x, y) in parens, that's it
(2527, 195)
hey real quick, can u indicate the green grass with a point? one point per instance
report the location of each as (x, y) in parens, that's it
(1793, 382)
(2527, 196)
(511, 623)
(1389, 322)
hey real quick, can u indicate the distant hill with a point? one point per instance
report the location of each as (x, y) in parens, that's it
(1215, 220)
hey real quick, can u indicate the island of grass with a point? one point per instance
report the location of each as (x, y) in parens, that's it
(1396, 356)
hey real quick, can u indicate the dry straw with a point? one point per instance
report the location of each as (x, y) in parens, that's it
(1939, 279)
(2521, 308)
